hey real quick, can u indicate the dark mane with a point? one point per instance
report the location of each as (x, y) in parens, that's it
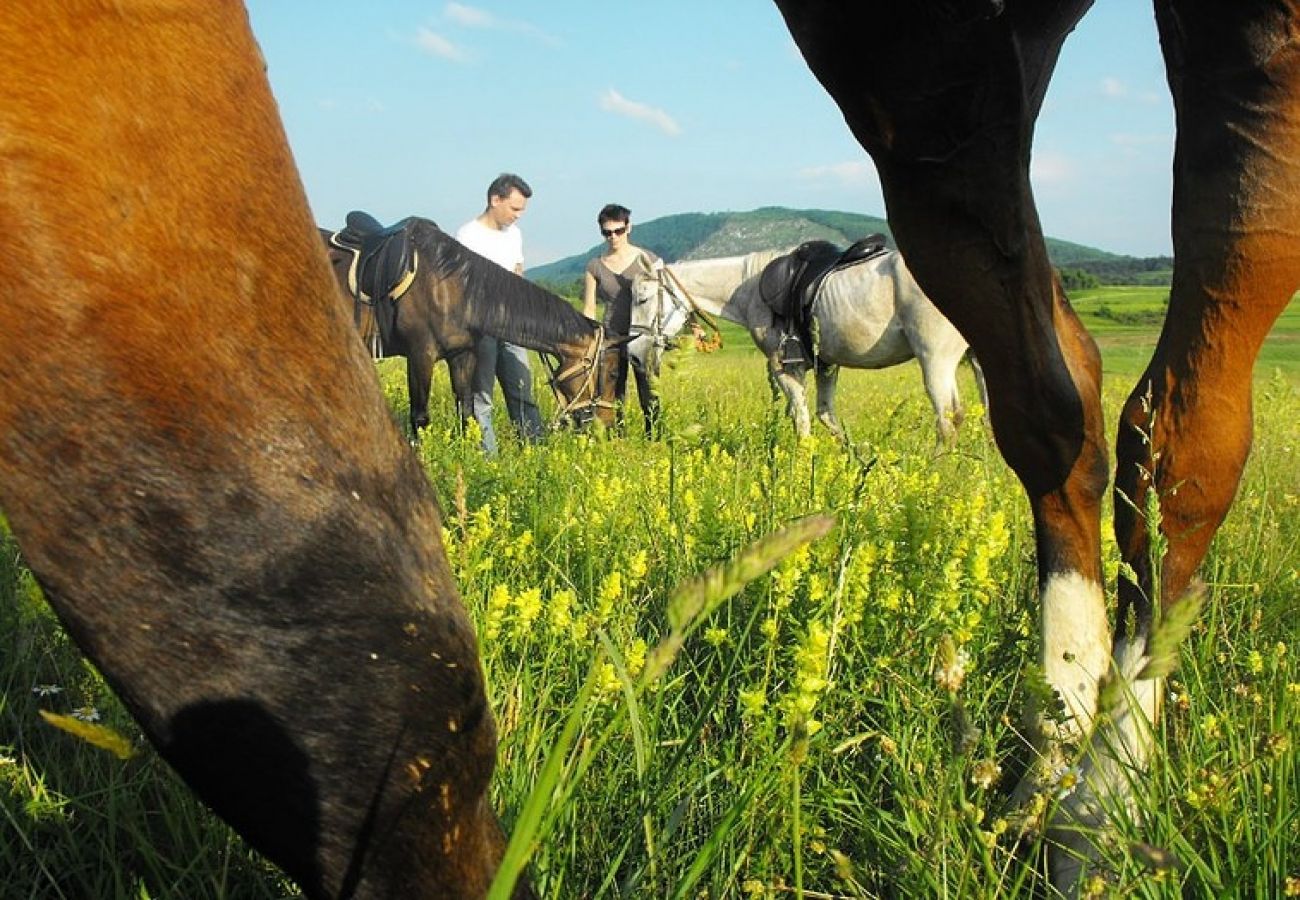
(498, 302)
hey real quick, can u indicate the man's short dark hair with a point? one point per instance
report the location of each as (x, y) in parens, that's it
(506, 182)
(612, 212)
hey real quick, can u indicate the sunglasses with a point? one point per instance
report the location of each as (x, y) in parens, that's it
(610, 232)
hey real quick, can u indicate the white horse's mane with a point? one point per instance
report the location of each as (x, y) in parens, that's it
(753, 263)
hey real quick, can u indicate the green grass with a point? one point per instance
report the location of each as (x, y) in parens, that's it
(1126, 322)
(800, 738)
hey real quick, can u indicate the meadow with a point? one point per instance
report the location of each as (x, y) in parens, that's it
(845, 725)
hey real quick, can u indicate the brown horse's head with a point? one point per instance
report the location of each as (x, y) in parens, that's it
(586, 380)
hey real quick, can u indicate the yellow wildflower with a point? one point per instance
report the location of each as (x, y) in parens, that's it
(528, 605)
(637, 567)
(497, 605)
(634, 657)
(560, 608)
(752, 701)
(1210, 726)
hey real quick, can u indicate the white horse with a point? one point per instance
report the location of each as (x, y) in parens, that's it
(870, 315)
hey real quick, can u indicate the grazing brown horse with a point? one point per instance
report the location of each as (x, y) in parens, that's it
(944, 96)
(198, 464)
(456, 295)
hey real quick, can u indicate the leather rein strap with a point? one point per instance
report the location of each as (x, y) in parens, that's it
(692, 305)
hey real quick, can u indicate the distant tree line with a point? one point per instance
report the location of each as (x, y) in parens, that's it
(1077, 279)
(1129, 269)
(678, 236)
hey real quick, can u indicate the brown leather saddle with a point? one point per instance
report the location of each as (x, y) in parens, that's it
(789, 285)
(384, 262)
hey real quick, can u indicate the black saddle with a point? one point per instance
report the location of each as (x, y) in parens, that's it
(384, 260)
(382, 268)
(789, 285)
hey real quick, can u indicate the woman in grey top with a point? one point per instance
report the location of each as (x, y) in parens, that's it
(609, 277)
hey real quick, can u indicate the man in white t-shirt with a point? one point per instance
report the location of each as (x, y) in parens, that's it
(495, 235)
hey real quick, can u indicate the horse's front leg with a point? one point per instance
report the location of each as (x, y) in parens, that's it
(419, 377)
(828, 378)
(1186, 429)
(786, 377)
(1188, 420)
(946, 108)
(461, 367)
(789, 378)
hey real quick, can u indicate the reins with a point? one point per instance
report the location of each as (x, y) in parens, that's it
(586, 367)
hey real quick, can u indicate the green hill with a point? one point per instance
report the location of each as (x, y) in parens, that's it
(705, 235)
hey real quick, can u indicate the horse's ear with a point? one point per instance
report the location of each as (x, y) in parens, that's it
(615, 340)
(643, 260)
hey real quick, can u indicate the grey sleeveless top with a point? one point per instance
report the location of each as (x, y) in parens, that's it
(615, 290)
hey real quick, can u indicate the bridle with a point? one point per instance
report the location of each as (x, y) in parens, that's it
(681, 299)
(587, 399)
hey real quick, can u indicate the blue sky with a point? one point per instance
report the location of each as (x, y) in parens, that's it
(411, 108)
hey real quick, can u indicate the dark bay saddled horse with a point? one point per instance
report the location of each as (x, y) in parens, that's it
(236, 535)
(944, 97)
(455, 295)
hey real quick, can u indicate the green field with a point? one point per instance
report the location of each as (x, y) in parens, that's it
(800, 741)
(1125, 322)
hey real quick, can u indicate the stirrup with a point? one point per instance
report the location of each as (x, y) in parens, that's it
(790, 351)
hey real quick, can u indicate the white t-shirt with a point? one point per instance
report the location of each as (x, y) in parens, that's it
(504, 246)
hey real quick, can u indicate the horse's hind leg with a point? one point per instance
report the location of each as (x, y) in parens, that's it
(981, 387)
(828, 376)
(939, 373)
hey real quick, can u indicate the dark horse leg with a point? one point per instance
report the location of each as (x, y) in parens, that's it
(946, 107)
(419, 384)
(461, 366)
(1185, 431)
(1235, 78)
(947, 110)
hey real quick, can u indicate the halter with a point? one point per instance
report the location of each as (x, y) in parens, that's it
(588, 368)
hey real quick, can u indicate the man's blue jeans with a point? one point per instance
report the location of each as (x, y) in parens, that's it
(498, 360)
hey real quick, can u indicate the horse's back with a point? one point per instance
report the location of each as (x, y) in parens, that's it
(873, 315)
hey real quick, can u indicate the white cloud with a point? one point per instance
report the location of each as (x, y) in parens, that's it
(1051, 169)
(436, 45)
(1113, 87)
(469, 16)
(850, 172)
(473, 17)
(613, 101)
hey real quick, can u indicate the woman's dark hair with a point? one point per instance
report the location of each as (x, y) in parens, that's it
(506, 182)
(612, 212)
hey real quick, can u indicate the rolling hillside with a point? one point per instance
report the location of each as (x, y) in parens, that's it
(704, 235)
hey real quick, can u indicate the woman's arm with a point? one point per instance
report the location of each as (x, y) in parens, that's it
(589, 295)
